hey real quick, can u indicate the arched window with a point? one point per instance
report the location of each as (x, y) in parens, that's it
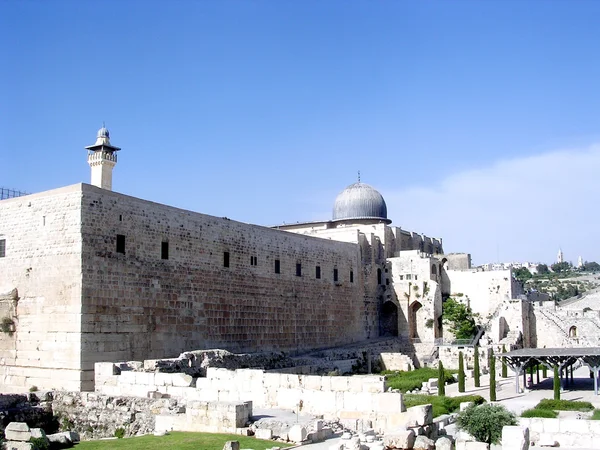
(573, 331)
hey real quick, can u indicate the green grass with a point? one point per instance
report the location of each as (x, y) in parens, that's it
(596, 415)
(545, 413)
(179, 441)
(441, 404)
(564, 405)
(408, 381)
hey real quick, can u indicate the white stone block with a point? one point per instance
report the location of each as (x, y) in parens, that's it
(444, 443)
(297, 434)
(423, 443)
(181, 379)
(421, 414)
(339, 384)
(388, 402)
(574, 426)
(515, 438)
(127, 377)
(399, 439)
(17, 431)
(263, 433)
(471, 445)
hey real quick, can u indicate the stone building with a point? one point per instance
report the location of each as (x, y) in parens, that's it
(90, 275)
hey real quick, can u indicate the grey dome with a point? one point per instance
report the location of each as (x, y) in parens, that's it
(360, 201)
(103, 133)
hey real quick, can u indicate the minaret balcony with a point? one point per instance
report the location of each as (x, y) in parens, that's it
(100, 156)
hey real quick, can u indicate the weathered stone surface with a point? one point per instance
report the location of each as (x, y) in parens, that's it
(421, 414)
(17, 431)
(297, 434)
(263, 433)
(423, 443)
(471, 445)
(444, 443)
(399, 439)
(17, 445)
(232, 445)
(515, 438)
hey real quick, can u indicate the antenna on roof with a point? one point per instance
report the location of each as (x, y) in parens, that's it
(359, 176)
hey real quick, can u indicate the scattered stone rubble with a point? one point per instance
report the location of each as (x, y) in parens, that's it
(18, 436)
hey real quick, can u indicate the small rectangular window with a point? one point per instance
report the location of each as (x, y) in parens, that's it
(2, 248)
(402, 277)
(408, 276)
(298, 269)
(253, 261)
(318, 272)
(164, 250)
(277, 266)
(415, 277)
(120, 243)
(351, 277)
(225, 259)
(335, 275)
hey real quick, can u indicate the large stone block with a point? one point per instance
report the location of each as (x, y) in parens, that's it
(17, 431)
(17, 445)
(181, 379)
(297, 434)
(515, 438)
(388, 402)
(421, 414)
(263, 433)
(471, 445)
(399, 439)
(444, 443)
(423, 443)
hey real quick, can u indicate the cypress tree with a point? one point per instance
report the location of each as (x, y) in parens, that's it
(441, 380)
(504, 367)
(476, 367)
(544, 371)
(492, 376)
(556, 384)
(461, 373)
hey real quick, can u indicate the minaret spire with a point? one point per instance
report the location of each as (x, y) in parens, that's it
(102, 158)
(359, 176)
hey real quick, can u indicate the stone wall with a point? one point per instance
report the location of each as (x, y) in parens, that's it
(164, 286)
(43, 268)
(355, 397)
(137, 305)
(573, 433)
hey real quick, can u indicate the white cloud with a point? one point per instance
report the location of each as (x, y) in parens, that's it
(519, 209)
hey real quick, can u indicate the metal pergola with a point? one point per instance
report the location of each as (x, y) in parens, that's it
(563, 358)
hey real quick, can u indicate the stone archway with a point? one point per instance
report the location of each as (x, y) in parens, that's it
(389, 319)
(573, 332)
(414, 325)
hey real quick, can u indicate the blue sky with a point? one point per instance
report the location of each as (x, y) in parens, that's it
(477, 121)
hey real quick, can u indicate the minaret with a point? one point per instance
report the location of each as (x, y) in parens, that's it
(560, 257)
(102, 157)
(579, 262)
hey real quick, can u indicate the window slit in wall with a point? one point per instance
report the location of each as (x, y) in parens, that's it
(120, 243)
(225, 259)
(298, 269)
(2, 248)
(318, 272)
(277, 266)
(351, 276)
(253, 261)
(164, 250)
(335, 275)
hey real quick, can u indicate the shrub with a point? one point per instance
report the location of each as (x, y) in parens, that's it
(7, 325)
(441, 405)
(441, 380)
(476, 374)
(461, 373)
(596, 415)
(485, 422)
(413, 379)
(33, 388)
(39, 443)
(120, 433)
(564, 405)
(535, 412)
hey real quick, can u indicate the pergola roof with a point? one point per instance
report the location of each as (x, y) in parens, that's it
(562, 357)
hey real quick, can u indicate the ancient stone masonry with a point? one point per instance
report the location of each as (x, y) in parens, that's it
(103, 276)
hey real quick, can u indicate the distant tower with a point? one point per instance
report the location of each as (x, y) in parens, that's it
(102, 157)
(579, 262)
(560, 257)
